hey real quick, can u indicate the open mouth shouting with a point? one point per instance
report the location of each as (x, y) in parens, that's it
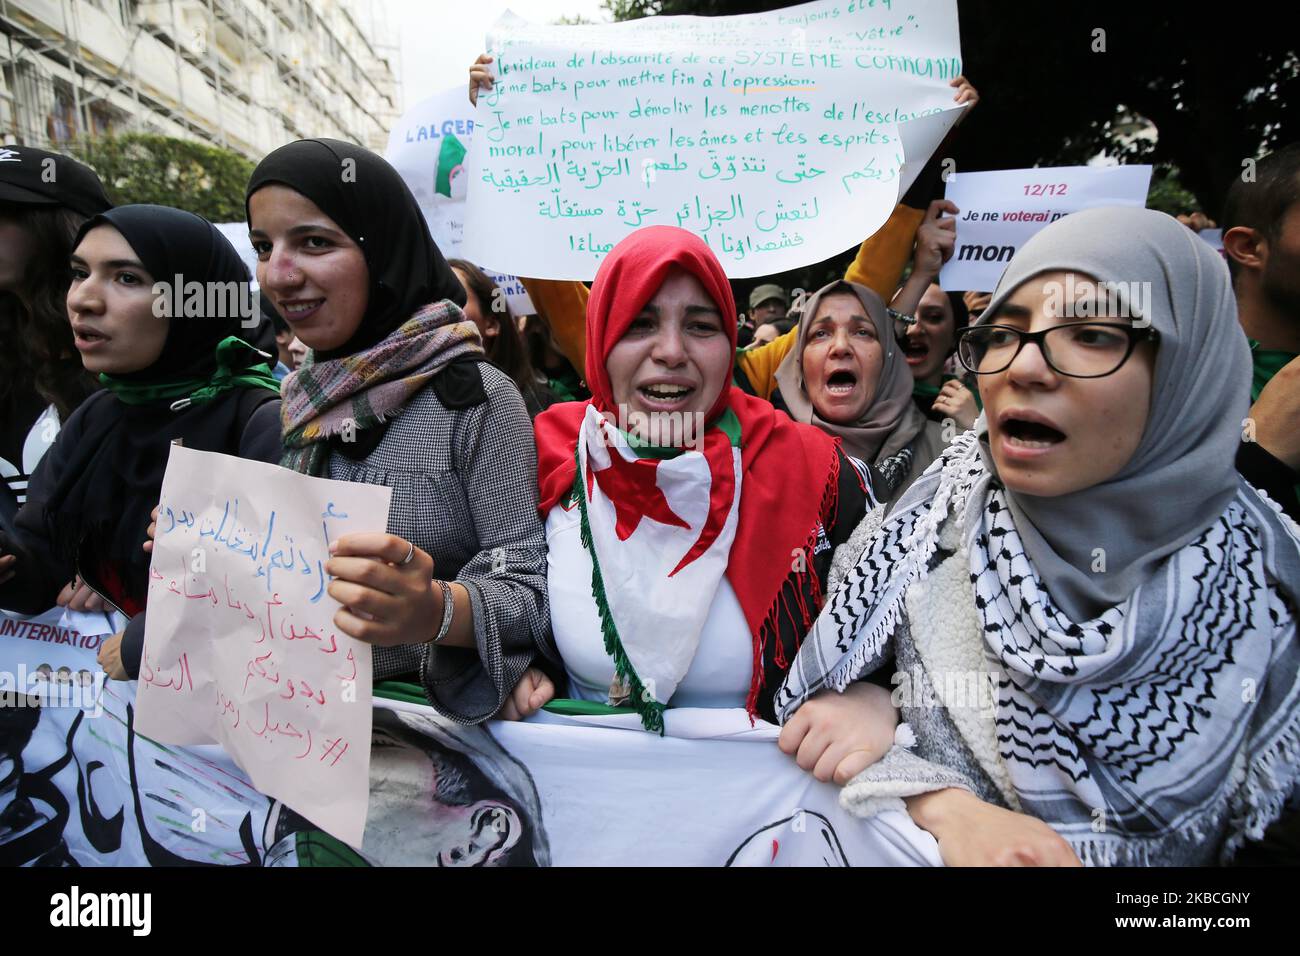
(1028, 434)
(841, 383)
(665, 395)
(915, 352)
(839, 393)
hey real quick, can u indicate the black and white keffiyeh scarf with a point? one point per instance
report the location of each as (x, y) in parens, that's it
(1168, 720)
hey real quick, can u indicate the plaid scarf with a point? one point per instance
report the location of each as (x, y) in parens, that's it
(365, 389)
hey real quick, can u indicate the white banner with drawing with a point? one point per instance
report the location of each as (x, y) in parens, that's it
(81, 785)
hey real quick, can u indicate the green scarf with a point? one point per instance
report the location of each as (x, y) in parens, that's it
(926, 394)
(1265, 364)
(567, 387)
(925, 390)
(232, 372)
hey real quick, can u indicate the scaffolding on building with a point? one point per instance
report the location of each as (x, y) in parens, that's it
(247, 75)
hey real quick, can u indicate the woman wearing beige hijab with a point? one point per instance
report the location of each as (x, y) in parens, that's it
(848, 376)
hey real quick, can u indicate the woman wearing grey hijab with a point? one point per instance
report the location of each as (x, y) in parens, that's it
(847, 376)
(1091, 615)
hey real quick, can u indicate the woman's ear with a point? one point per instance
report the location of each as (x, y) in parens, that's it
(492, 327)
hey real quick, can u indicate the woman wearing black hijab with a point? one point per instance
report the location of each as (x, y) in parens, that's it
(188, 377)
(397, 391)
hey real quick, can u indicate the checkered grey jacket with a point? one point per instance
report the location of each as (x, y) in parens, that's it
(465, 490)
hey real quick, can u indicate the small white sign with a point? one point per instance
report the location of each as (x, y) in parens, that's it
(1001, 210)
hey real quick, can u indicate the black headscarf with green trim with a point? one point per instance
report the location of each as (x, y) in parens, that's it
(197, 390)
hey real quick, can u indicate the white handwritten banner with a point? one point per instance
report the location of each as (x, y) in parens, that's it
(1001, 210)
(427, 146)
(777, 137)
(240, 646)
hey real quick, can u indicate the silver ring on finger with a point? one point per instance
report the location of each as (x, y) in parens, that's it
(409, 554)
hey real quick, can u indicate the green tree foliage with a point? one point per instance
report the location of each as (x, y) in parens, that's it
(1062, 82)
(147, 168)
(1168, 195)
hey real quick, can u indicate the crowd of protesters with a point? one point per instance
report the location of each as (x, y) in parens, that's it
(1098, 514)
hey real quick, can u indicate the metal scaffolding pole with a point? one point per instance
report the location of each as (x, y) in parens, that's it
(72, 42)
(216, 72)
(176, 58)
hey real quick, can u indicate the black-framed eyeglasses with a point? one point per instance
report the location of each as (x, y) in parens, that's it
(1075, 349)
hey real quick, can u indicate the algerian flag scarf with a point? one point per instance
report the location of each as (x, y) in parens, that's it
(791, 486)
(659, 531)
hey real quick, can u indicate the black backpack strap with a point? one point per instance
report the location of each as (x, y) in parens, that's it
(250, 400)
(460, 383)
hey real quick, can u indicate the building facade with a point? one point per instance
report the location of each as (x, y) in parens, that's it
(249, 75)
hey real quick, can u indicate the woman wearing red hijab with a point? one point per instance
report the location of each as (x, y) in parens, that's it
(690, 525)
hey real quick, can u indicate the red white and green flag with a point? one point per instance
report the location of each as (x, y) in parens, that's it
(659, 525)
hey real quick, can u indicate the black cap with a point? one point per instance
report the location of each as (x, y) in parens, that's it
(36, 177)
